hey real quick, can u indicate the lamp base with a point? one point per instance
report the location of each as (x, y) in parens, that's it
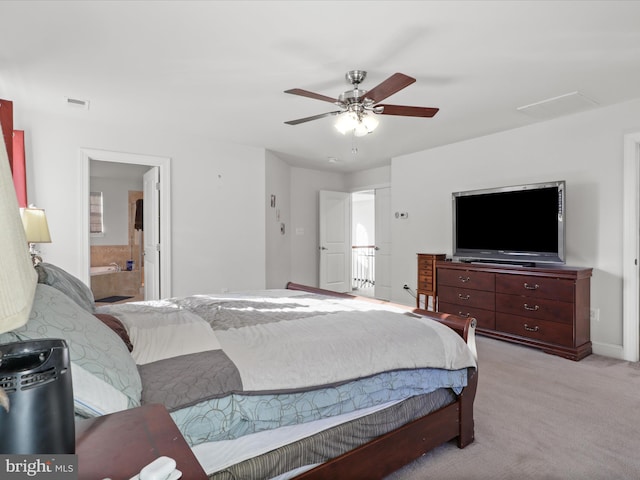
(35, 254)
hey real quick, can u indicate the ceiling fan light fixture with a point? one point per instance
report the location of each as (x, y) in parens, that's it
(370, 122)
(360, 130)
(360, 125)
(346, 122)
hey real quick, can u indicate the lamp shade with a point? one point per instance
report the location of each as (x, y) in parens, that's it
(18, 278)
(35, 225)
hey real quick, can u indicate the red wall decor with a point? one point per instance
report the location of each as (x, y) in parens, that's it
(14, 141)
(6, 121)
(19, 168)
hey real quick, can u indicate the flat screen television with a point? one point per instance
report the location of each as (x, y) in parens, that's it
(522, 224)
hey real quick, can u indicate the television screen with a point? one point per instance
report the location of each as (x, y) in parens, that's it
(523, 223)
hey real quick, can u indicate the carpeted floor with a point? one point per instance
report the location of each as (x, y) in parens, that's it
(538, 416)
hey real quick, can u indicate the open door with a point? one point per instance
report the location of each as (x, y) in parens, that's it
(382, 289)
(151, 218)
(335, 241)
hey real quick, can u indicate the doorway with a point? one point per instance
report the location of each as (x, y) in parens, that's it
(163, 224)
(355, 242)
(371, 243)
(117, 232)
(363, 243)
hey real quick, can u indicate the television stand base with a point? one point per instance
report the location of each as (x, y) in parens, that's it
(506, 262)
(480, 261)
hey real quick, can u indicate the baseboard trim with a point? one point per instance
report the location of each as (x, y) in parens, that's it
(608, 350)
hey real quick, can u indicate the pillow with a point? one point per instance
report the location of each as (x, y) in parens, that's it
(8, 337)
(92, 396)
(71, 286)
(92, 345)
(116, 325)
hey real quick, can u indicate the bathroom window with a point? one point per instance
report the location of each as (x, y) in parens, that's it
(95, 214)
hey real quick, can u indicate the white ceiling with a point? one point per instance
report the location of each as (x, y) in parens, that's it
(220, 68)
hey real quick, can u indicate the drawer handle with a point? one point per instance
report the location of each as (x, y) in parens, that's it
(464, 297)
(531, 309)
(464, 279)
(531, 329)
(465, 315)
(535, 286)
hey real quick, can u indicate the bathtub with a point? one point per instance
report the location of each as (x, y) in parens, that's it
(107, 281)
(102, 270)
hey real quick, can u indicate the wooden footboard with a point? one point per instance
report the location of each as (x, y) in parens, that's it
(385, 454)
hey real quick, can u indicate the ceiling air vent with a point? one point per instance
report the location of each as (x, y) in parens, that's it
(557, 106)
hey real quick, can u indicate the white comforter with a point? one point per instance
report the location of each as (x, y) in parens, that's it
(283, 340)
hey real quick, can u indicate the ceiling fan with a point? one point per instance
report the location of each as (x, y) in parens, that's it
(358, 104)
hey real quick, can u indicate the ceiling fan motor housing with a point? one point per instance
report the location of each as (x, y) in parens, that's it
(355, 77)
(352, 96)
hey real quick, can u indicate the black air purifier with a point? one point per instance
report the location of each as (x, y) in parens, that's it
(36, 376)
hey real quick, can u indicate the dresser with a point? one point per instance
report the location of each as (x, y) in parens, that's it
(427, 278)
(543, 307)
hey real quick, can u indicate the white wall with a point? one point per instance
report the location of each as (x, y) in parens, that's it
(218, 190)
(278, 244)
(584, 149)
(378, 177)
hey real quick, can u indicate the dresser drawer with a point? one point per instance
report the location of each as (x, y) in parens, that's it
(540, 330)
(467, 279)
(425, 263)
(540, 308)
(537, 287)
(467, 298)
(485, 318)
(425, 281)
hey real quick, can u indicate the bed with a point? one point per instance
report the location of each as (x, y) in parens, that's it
(284, 383)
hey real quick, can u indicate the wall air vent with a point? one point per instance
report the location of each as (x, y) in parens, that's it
(77, 103)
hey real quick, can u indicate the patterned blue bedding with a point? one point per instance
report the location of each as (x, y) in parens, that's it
(237, 415)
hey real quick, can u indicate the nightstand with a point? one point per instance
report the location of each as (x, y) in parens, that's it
(118, 445)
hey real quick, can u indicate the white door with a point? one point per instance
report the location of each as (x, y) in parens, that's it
(151, 219)
(335, 241)
(382, 288)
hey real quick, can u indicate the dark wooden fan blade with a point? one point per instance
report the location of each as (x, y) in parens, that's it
(408, 111)
(391, 85)
(306, 93)
(315, 117)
